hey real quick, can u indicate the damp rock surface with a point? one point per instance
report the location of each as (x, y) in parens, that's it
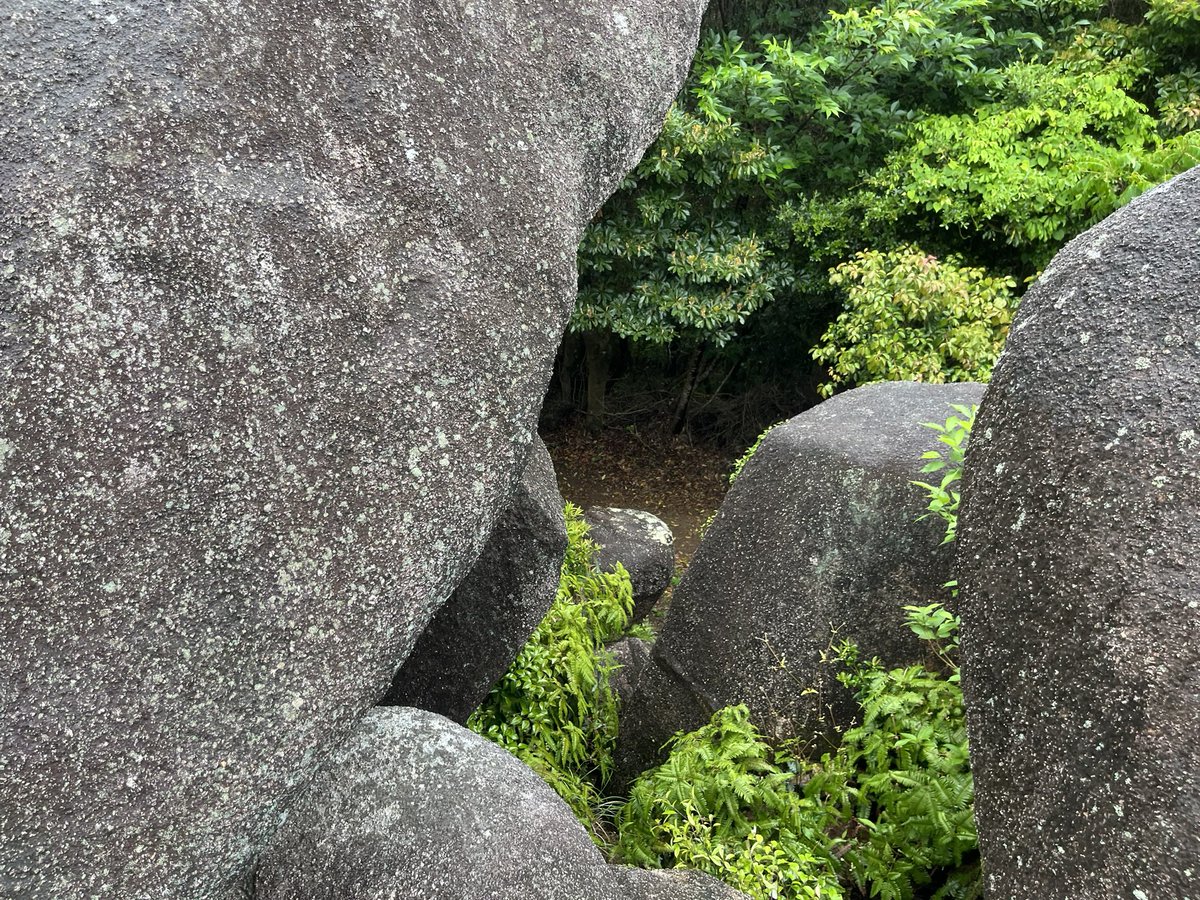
(478, 632)
(817, 541)
(1080, 569)
(280, 289)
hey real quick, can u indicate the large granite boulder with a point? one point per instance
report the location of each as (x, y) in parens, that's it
(642, 543)
(1080, 565)
(280, 289)
(414, 806)
(479, 631)
(817, 541)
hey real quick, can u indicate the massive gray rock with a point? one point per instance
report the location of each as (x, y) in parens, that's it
(479, 631)
(280, 289)
(1080, 563)
(415, 806)
(642, 543)
(817, 541)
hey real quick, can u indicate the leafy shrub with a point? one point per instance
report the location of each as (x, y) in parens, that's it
(1063, 145)
(911, 317)
(723, 803)
(889, 811)
(943, 499)
(901, 783)
(554, 708)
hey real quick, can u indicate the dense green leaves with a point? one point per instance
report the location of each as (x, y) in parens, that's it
(889, 812)
(1062, 146)
(554, 708)
(909, 316)
(986, 132)
(723, 803)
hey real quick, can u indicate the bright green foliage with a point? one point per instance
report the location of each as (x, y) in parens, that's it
(889, 812)
(901, 779)
(910, 316)
(943, 498)
(553, 708)
(716, 220)
(723, 803)
(1063, 146)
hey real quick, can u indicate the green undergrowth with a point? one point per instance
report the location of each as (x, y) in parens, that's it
(887, 814)
(554, 708)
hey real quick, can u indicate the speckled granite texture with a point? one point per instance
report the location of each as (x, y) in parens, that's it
(415, 807)
(478, 632)
(280, 289)
(817, 541)
(1080, 559)
(642, 543)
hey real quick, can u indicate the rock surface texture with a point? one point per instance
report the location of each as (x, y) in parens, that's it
(631, 655)
(642, 543)
(414, 806)
(675, 884)
(816, 541)
(1080, 563)
(280, 289)
(479, 631)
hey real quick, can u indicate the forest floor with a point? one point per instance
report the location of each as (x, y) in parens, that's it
(681, 484)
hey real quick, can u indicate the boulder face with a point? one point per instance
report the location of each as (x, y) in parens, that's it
(1080, 569)
(280, 289)
(416, 806)
(675, 884)
(479, 631)
(642, 543)
(817, 541)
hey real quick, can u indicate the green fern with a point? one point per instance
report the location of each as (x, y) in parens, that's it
(554, 708)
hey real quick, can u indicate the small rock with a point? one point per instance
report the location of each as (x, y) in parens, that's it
(642, 543)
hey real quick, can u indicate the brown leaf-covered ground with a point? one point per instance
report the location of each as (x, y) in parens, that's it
(681, 484)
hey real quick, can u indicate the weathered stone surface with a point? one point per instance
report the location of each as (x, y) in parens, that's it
(416, 806)
(642, 543)
(631, 655)
(479, 631)
(674, 884)
(280, 287)
(1080, 563)
(815, 542)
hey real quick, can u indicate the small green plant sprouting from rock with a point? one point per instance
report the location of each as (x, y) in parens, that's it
(554, 708)
(943, 499)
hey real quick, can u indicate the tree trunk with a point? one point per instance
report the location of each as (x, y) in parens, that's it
(690, 377)
(596, 349)
(568, 369)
